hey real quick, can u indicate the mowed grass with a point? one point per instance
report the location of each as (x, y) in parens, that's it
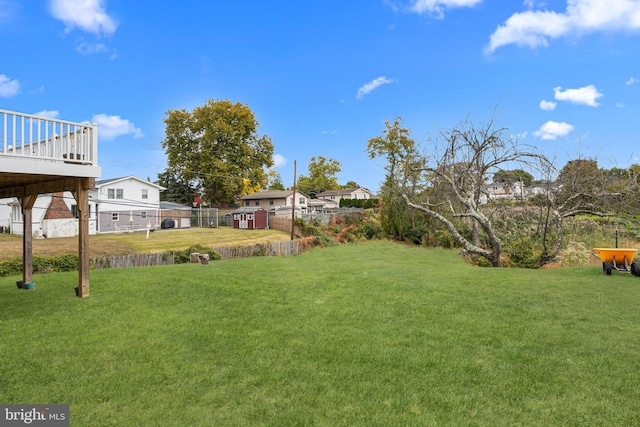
(371, 334)
(129, 243)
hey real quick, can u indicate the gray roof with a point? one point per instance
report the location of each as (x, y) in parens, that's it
(171, 205)
(270, 194)
(246, 209)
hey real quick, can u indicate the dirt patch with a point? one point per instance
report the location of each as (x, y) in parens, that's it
(551, 266)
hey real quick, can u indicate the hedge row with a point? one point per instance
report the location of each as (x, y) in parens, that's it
(358, 203)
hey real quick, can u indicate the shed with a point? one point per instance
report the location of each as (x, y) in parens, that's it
(250, 218)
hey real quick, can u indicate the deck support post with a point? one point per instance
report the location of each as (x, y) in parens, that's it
(81, 194)
(26, 204)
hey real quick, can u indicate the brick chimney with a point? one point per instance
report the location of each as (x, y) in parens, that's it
(58, 209)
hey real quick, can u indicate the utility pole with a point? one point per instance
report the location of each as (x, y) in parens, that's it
(293, 202)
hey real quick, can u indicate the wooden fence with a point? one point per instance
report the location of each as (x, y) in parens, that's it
(134, 260)
(284, 248)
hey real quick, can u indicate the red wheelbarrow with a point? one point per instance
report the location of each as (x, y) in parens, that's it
(619, 259)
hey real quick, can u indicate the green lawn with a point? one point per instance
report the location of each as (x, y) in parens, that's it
(374, 334)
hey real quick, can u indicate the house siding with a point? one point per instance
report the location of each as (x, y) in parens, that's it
(132, 210)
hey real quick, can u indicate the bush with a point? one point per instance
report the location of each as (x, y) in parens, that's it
(522, 253)
(576, 254)
(184, 257)
(370, 230)
(58, 263)
(416, 235)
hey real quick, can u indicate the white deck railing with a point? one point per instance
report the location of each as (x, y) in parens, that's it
(29, 136)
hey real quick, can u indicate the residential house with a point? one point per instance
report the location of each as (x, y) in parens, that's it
(53, 215)
(6, 209)
(346, 193)
(514, 191)
(126, 204)
(276, 200)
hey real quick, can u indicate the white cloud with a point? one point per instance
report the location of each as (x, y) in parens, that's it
(279, 160)
(111, 127)
(534, 28)
(88, 15)
(91, 48)
(329, 132)
(437, 7)
(49, 114)
(372, 85)
(547, 105)
(552, 130)
(8, 87)
(632, 81)
(587, 95)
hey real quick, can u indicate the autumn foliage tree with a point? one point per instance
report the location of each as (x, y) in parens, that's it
(216, 148)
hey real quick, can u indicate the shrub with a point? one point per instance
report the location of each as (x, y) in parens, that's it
(184, 256)
(575, 254)
(522, 253)
(416, 235)
(58, 263)
(370, 230)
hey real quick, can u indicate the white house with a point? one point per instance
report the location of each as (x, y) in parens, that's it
(126, 204)
(54, 215)
(346, 193)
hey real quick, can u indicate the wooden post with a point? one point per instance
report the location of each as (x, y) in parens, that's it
(81, 194)
(26, 204)
(293, 203)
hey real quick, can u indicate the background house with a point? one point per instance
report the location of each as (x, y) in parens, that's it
(126, 204)
(346, 193)
(270, 200)
(54, 215)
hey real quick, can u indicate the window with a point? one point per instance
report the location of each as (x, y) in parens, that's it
(333, 197)
(143, 215)
(301, 201)
(145, 194)
(115, 216)
(115, 193)
(271, 202)
(355, 196)
(257, 203)
(74, 211)
(246, 203)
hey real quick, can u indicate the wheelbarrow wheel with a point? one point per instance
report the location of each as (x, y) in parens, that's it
(635, 269)
(606, 268)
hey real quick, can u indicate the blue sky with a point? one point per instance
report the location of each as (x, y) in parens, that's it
(322, 76)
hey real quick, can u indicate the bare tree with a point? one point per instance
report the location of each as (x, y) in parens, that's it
(459, 162)
(582, 188)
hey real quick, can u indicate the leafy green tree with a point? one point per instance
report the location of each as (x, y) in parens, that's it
(322, 176)
(178, 190)
(217, 148)
(396, 147)
(511, 176)
(350, 184)
(274, 181)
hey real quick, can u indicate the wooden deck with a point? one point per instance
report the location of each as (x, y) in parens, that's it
(40, 155)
